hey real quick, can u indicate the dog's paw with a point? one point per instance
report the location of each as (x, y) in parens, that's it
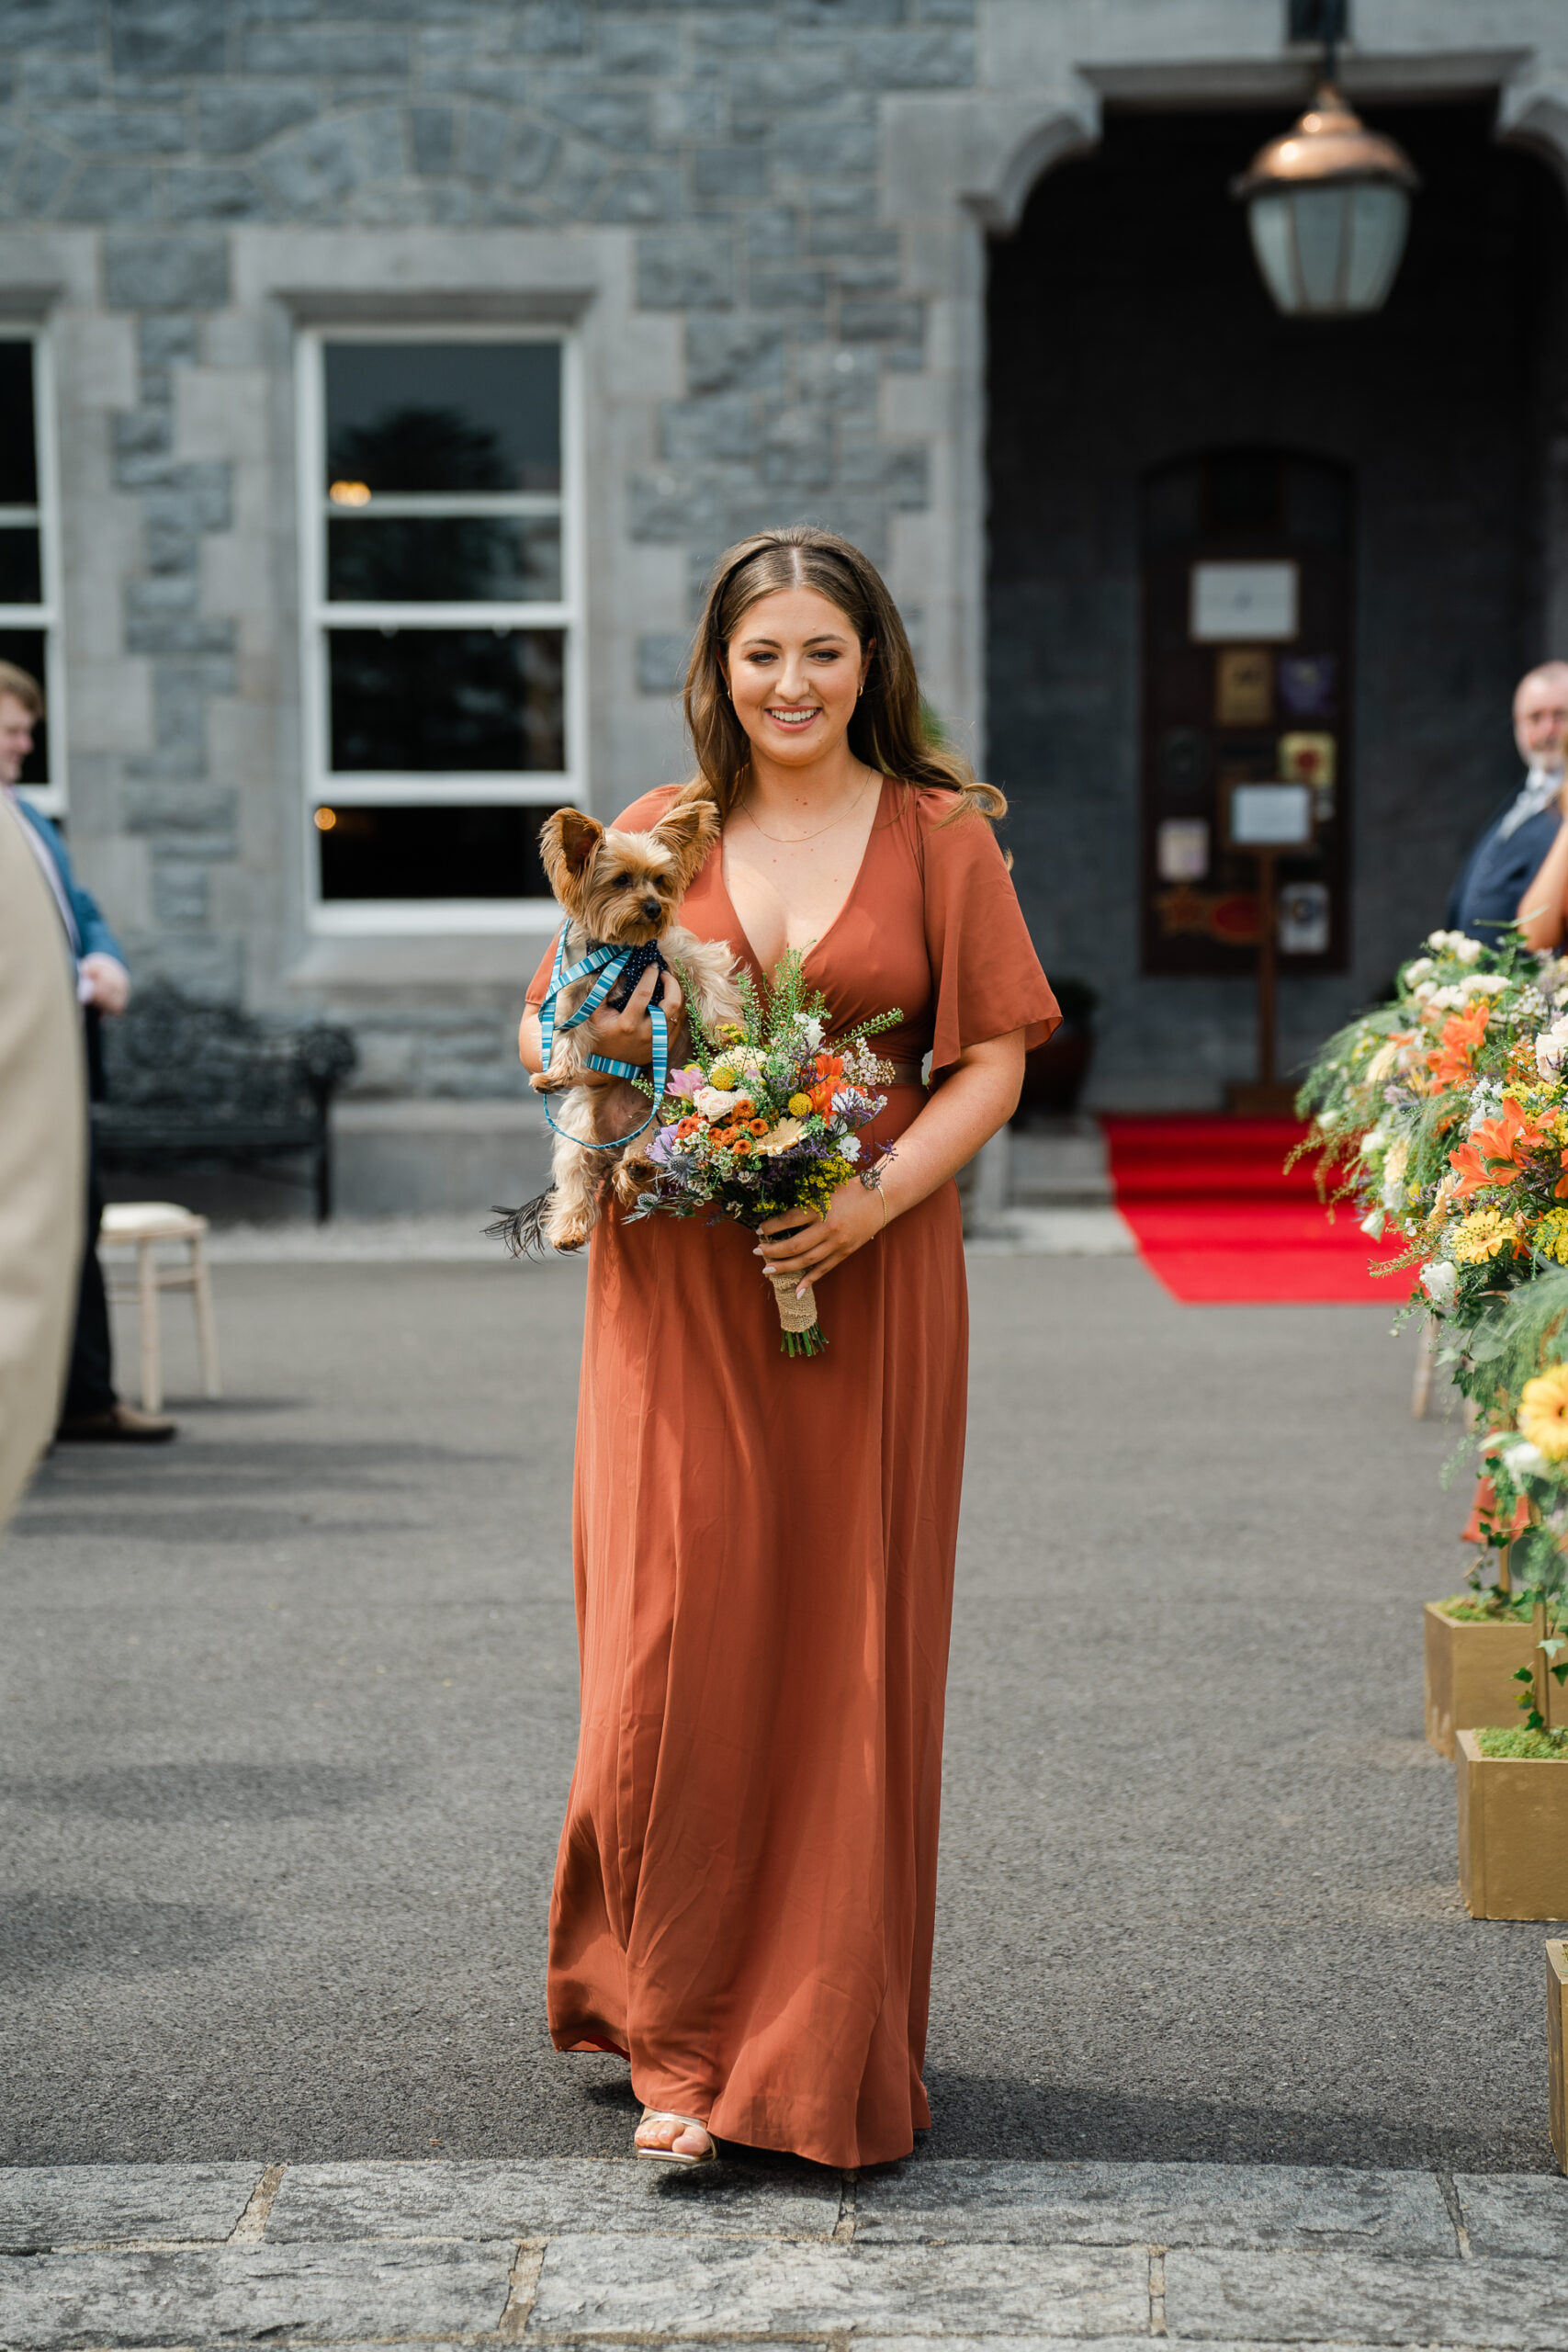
(568, 1228)
(631, 1179)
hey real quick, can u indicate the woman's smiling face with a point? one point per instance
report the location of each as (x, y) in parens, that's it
(794, 669)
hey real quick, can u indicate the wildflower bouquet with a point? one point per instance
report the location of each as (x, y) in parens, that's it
(1444, 1115)
(767, 1119)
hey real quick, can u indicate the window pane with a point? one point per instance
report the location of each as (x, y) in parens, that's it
(22, 580)
(431, 852)
(466, 559)
(24, 647)
(433, 416)
(19, 463)
(418, 700)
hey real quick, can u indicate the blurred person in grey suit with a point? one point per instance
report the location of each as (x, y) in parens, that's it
(43, 1103)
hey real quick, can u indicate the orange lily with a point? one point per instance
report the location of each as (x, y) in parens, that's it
(1496, 1151)
(1449, 1060)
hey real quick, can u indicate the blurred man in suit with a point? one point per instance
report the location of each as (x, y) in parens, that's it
(91, 1409)
(1508, 877)
(42, 1169)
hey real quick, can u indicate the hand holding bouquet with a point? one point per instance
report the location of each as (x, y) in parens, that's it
(767, 1121)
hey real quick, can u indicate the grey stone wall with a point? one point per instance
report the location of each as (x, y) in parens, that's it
(736, 149)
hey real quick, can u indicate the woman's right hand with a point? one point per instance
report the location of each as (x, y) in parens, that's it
(626, 1036)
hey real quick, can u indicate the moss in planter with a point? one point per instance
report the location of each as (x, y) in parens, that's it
(1466, 1608)
(1545, 1747)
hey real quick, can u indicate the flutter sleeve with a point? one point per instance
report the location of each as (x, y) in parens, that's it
(538, 987)
(987, 977)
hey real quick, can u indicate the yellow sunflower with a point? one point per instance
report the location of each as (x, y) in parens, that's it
(1543, 1412)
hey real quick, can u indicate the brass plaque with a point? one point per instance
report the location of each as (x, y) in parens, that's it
(1244, 686)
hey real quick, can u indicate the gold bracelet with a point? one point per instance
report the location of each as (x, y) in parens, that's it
(883, 1198)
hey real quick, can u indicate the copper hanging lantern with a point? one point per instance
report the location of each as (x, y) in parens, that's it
(1328, 208)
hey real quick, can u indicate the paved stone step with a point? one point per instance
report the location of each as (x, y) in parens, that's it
(553, 2197)
(333, 2293)
(597, 2285)
(1312, 2299)
(1311, 2207)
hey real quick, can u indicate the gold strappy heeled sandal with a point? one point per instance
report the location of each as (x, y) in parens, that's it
(672, 2155)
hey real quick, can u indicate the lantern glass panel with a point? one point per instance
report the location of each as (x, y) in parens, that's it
(1320, 225)
(1269, 218)
(1380, 216)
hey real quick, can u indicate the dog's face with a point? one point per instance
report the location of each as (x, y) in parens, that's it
(623, 888)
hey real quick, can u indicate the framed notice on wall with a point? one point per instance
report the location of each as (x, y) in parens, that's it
(1245, 574)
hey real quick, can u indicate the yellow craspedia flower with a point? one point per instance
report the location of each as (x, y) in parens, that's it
(1482, 1235)
(1551, 1236)
(723, 1078)
(800, 1106)
(1543, 1412)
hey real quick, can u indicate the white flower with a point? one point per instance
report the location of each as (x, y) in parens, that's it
(1420, 969)
(1394, 1169)
(1523, 1459)
(1383, 1063)
(1456, 944)
(1551, 1046)
(713, 1101)
(779, 1138)
(850, 1147)
(1485, 984)
(811, 1030)
(1440, 1283)
(1372, 1224)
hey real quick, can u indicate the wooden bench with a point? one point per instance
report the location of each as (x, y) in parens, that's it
(192, 1085)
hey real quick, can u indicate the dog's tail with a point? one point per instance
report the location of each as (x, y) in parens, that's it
(522, 1230)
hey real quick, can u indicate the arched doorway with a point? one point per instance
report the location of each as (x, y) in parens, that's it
(1129, 334)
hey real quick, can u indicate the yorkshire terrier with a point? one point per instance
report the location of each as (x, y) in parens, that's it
(619, 889)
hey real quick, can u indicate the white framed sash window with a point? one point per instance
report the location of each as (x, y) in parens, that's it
(30, 549)
(441, 536)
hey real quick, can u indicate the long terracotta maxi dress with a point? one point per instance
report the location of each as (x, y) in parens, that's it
(764, 1548)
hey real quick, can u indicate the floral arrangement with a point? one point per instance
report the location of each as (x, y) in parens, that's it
(1443, 1116)
(767, 1119)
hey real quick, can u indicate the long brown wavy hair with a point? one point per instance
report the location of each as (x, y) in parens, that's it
(890, 732)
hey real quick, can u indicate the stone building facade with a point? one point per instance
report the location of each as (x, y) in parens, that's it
(894, 265)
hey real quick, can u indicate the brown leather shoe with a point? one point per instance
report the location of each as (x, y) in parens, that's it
(122, 1424)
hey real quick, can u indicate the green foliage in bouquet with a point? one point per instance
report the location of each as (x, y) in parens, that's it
(766, 1119)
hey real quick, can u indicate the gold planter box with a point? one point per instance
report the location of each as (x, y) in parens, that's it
(1513, 1833)
(1557, 2046)
(1470, 1675)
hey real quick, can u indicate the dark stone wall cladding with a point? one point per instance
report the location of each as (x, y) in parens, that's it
(1128, 326)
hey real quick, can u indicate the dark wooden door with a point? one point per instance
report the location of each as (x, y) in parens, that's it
(1245, 679)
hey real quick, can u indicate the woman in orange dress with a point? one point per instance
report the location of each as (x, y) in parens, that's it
(764, 1545)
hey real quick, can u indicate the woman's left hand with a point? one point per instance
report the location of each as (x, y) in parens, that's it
(855, 1216)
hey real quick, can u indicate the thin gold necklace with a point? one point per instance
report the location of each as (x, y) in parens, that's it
(789, 840)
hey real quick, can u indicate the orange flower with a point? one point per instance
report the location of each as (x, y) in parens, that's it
(1450, 1059)
(759, 1127)
(742, 1145)
(1496, 1151)
(743, 1110)
(822, 1097)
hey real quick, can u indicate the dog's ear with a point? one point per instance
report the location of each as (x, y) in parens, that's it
(689, 827)
(567, 843)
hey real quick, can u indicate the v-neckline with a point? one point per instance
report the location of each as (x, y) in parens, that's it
(739, 931)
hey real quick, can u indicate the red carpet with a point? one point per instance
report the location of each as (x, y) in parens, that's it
(1217, 1219)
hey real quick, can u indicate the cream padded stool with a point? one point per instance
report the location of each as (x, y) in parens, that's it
(142, 1224)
